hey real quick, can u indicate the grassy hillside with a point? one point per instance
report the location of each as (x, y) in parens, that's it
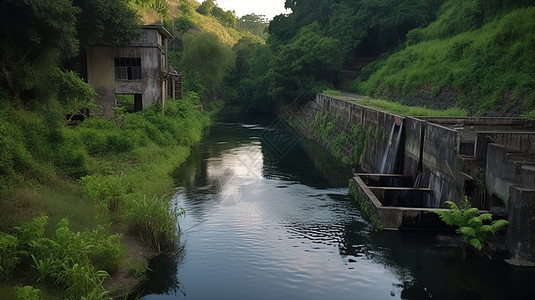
(181, 16)
(472, 57)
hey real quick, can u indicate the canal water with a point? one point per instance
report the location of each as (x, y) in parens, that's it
(268, 217)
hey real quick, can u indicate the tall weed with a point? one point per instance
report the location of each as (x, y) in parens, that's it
(27, 293)
(106, 191)
(76, 263)
(154, 220)
(9, 256)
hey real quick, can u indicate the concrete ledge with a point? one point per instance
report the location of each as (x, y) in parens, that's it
(396, 218)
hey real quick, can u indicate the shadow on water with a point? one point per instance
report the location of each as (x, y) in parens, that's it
(269, 221)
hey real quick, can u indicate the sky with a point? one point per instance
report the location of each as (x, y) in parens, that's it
(268, 8)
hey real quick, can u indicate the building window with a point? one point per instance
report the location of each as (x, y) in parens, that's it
(127, 68)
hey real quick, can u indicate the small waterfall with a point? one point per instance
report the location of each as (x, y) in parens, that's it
(387, 150)
(436, 183)
(418, 180)
(395, 163)
(391, 156)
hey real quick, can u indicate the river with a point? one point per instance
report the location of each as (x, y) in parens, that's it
(268, 217)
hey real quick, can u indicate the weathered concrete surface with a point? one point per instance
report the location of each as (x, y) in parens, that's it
(431, 148)
(520, 236)
(501, 173)
(440, 160)
(523, 142)
(100, 74)
(157, 82)
(449, 153)
(351, 113)
(514, 183)
(395, 218)
(414, 136)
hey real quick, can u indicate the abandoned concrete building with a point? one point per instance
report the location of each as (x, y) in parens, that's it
(141, 70)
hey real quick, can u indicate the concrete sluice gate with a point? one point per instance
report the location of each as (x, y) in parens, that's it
(490, 161)
(396, 203)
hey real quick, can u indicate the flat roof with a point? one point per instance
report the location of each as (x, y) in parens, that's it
(160, 29)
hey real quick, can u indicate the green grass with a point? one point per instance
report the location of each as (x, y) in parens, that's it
(491, 67)
(113, 173)
(398, 108)
(401, 109)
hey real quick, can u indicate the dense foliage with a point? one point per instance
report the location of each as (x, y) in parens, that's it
(473, 226)
(473, 55)
(38, 39)
(204, 62)
(116, 163)
(489, 64)
(307, 49)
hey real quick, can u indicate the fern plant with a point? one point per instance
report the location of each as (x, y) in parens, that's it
(473, 226)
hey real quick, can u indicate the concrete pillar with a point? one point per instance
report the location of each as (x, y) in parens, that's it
(521, 230)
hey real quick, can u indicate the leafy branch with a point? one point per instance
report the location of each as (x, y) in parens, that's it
(473, 226)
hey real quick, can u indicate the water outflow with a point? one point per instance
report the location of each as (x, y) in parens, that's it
(390, 163)
(417, 180)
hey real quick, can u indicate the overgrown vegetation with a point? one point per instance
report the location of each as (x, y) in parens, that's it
(116, 173)
(406, 110)
(468, 57)
(117, 163)
(98, 179)
(473, 226)
(482, 50)
(347, 144)
(74, 263)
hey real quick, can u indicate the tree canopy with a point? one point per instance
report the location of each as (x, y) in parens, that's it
(37, 36)
(474, 50)
(205, 61)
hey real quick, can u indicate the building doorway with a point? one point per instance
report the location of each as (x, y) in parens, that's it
(130, 102)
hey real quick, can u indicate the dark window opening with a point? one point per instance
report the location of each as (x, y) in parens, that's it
(128, 68)
(130, 102)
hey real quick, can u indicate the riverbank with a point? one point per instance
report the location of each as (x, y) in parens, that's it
(482, 159)
(269, 217)
(116, 187)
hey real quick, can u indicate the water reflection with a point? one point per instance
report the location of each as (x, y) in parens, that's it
(264, 223)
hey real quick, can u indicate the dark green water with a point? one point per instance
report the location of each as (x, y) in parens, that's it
(268, 217)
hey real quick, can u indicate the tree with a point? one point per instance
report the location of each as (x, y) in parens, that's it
(306, 65)
(34, 34)
(255, 24)
(38, 35)
(226, 18)
(206, 7)
(253, 88)
(205, 62)
(106, 22)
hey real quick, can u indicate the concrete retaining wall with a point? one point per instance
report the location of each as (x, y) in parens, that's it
(432, 145)
(351, 113)
(448, 152)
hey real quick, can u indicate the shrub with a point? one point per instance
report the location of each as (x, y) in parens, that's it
(106, 251)
(68, 261)
(27, 293)
(30, 233)
(8, 256)
(153, 219)
(75, 94)
(473, 226)
(94, 140)
(106, 191)
(72, 161)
